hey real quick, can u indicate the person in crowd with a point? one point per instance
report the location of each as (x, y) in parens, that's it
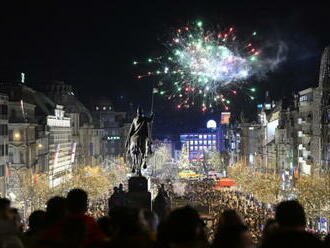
(290, 215)
(105, 225)
(77, 202)
(232, 232)
(291, 220)
(76, 231)
(183, 228)
(326, 241)
(86, 233)
(269, 229)
(128, 230)
(56, 210)
(16, 218)
(37, 221)
(9, 233)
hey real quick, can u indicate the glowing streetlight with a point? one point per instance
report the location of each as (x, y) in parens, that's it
(17, 136)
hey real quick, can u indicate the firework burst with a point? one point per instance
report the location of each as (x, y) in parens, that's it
(201, 67)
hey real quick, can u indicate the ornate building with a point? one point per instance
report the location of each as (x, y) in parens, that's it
(3, 143)
(87, 139)
(114, 123)
(295, 135)
(61, 147)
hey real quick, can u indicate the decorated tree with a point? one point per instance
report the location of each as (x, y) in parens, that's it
(216, 160)
(314, 193)
(32, 190)
(264, 186)
(160, 163)
(184, 162)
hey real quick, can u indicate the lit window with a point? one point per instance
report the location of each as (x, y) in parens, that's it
(191, 148)
(196, 142)
(200, 142)
(205, 142)
(97, 108)
(104, 108)
(213, 141)
(191, 142)
(209, 136)
(303, 98)
(205, 136)
(209, 142)
(200, 136)
(213, 136)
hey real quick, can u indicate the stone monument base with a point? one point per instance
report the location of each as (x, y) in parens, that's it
(138, 195)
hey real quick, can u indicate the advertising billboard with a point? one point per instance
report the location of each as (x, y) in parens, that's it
(225, 118)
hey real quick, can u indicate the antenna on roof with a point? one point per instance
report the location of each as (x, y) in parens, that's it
(22, 77)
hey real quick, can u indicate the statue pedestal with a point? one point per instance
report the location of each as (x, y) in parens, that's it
(138, 195)
(137, 184)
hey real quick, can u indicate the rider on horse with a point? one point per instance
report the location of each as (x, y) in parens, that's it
(138, 142)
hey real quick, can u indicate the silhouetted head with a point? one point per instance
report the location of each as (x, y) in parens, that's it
(125, 221)
(139, 111)
(56, 210)
(121, 187)
(290, 214)
(235, 236)
(16, 217)
(37, 220)
(77, 201)
(229, 218)
(182, 226)
(231, 231)
(4, 208)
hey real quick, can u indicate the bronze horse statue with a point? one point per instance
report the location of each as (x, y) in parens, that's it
(138, 143)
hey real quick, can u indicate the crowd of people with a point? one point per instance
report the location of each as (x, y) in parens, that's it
(98, 208)
(66, 223)
(253, 212)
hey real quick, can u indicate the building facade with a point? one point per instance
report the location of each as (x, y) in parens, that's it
(197, 144)
(61, 147)
(114, 124)
(293, 137)
(3, 143)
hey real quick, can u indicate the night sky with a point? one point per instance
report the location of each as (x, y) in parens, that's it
(91, 45)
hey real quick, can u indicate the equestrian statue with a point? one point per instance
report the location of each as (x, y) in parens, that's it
(138, 142)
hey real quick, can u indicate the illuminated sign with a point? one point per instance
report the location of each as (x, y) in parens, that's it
(225, 117)
(211, 124)
(268, 106)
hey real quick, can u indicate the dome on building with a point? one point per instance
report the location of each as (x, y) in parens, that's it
(62, 94)
(20, 92)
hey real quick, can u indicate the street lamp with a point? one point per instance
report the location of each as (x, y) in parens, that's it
(17, 136)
